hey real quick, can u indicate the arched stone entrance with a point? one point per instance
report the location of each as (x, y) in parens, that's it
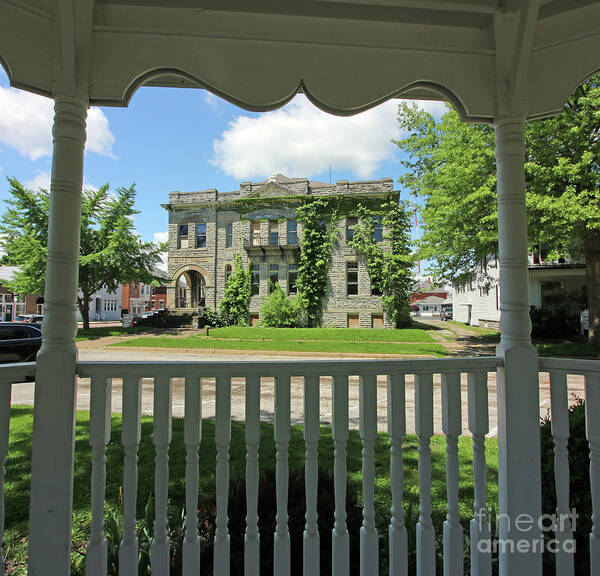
(190, 288)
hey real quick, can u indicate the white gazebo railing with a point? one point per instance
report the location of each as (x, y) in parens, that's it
(396, 373)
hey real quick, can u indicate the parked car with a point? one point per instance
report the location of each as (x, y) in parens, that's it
(19, 342)
(446, 313)
(29, 318)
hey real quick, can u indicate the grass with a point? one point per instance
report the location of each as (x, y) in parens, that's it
(567, 349)
(104, 331)
(476, 330)
(410, 341)
(19, 460)
(399, 348)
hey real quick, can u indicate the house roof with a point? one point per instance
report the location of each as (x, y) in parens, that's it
(431, 300)
(7, 273)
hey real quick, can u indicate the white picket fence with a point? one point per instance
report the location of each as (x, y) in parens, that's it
(102, 374)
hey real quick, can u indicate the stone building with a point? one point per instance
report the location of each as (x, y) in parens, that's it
(207, 229)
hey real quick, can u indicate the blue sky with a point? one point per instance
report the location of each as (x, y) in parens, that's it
(185, 139)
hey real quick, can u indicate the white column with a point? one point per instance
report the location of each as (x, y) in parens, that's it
(54, 411)
(518, 389)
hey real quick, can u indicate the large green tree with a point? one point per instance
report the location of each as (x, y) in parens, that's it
(451, 166)
(111, 252)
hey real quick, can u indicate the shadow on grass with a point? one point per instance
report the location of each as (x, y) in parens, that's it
(19, 459)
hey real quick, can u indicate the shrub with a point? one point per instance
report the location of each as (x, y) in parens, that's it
(281, 311)
(212, 319)
(234, 309)
(553, 323)
(579, 484)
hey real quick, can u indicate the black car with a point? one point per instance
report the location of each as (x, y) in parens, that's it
(19, 342)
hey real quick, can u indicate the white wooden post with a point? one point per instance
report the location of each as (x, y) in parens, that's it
(397, 430)
(592, 432)
(5, 395)
(54, 411)
(252, 535)
(519, 475)
(311, 439)
(340, 539)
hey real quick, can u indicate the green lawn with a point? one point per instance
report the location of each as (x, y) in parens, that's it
(411, 341)
(19, 460)
(567, 349)
(104, 331)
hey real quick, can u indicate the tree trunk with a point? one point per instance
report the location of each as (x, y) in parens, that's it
(592, 261)
(84, 310)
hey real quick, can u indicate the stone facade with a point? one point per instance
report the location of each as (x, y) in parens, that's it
(258, 222)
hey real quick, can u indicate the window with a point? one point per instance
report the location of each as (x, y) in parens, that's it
(273, 232)
(201, 235)
(377, 229)
(255, 232)
(152, 304)
(375, 290)
(183, 236)
(377, 321)
(352, 321)
(227, 273)
(273, 276)
(161, 304)
(292, 276)
(350, 225)
(292, 232)
(229, 235)
(351, 278)
(254, 279)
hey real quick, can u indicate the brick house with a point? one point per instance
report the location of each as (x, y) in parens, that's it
(137, 298)
(11, 304)
(207, 229)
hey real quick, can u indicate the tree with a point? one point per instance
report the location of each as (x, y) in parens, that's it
(451, 165)
(281, 311)
(234, 308)
(110, 253)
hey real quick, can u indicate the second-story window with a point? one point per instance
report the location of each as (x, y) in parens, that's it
(377, 229)
(201, 235)
(254, 279)
(292, 231)
(292, 276)
(351, 278)
(229, 235)
(273, 232)
(255, 232)
(273, 276)
(182, 236)
(350, 225)
(227, 273)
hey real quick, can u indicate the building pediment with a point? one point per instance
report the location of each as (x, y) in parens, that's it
(272, 190)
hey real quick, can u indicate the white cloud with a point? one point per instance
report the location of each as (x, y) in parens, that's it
(160, 237)
(211, 99)
(26, 125)
(301, 140)
(42, 180)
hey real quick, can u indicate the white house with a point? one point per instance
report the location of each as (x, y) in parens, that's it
(429, 306)
(477, 301)
(104, 305)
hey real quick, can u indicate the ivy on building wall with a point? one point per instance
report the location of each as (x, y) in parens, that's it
(234, 308)
(389, 262)
(318, 216)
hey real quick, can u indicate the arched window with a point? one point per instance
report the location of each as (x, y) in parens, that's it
(227, 273)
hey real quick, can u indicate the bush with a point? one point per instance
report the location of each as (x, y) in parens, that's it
(281, 311)
(553, 323)
(212, 319)
(579, 484)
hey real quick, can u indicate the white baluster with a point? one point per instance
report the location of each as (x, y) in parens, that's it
(452, 426)
(340, 541)
(424, 429)
(192, 433)
(481, 559)
(311, 439)
(159, 553)
(592, 427)
(5, 393)
(563, 530)
(252, 536)
(222, 440)
(130, 438)
(282, 439)
(369, 545)
(96, 554)
(397, 429)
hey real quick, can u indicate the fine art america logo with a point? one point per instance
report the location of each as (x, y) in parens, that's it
(524, 533)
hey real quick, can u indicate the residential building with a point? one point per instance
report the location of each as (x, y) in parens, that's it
(104, 305)
(207, 229)
(11, 304)
(477, 300)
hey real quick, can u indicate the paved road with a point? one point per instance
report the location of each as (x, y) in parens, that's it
(23, 393)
